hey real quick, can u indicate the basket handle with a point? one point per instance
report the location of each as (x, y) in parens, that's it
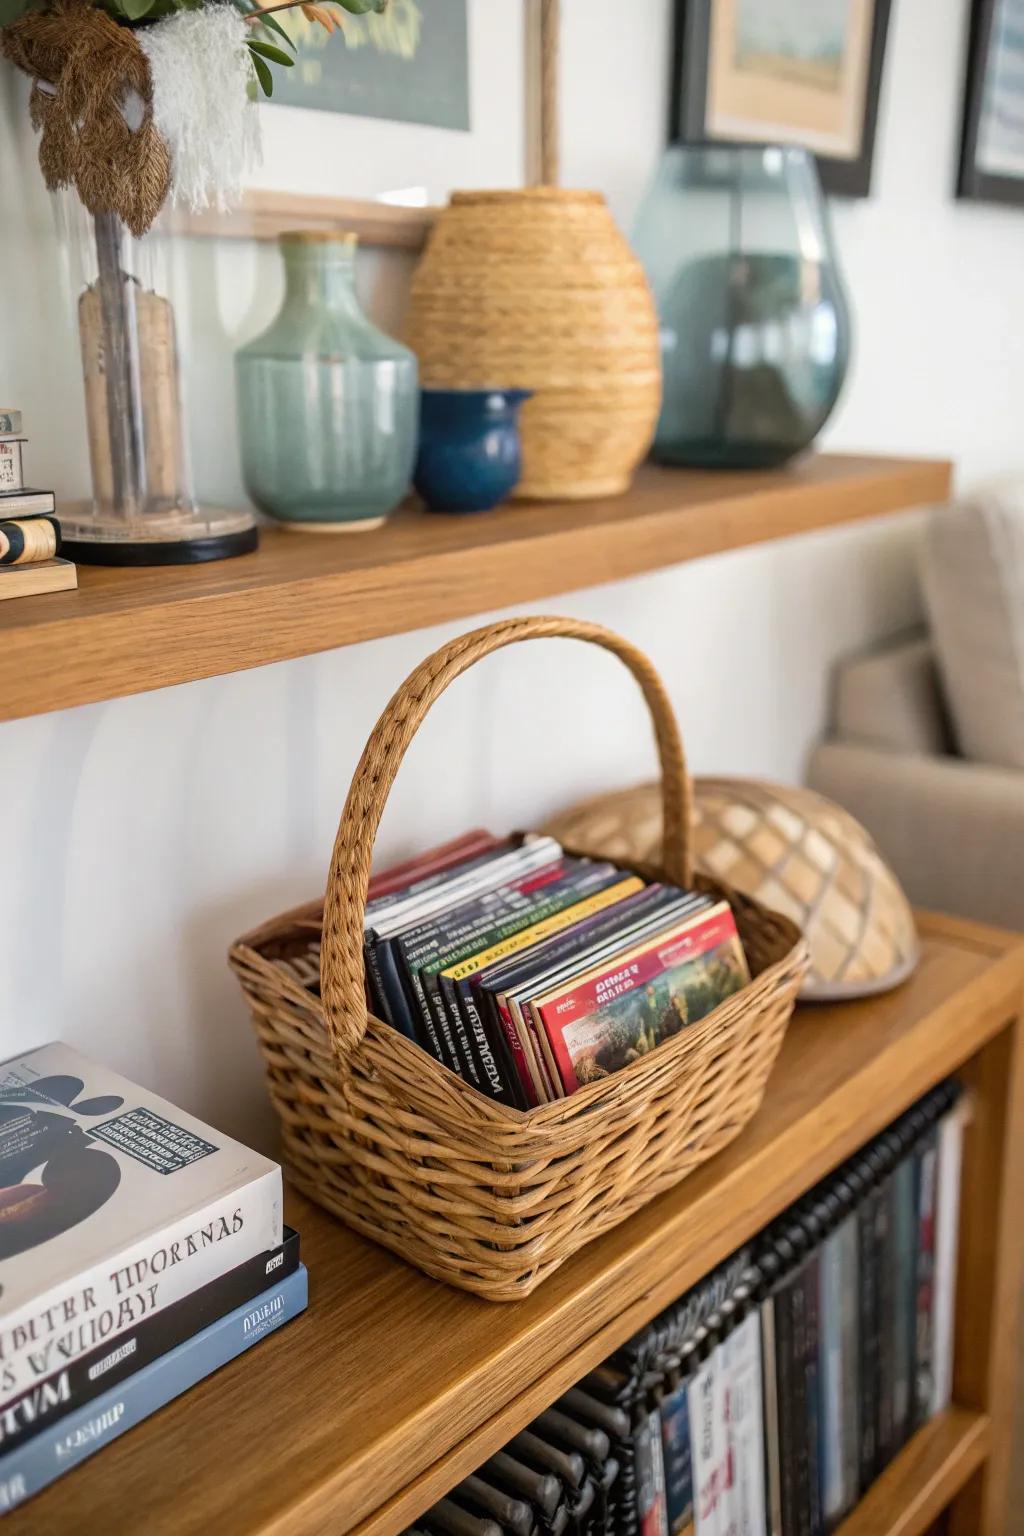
(342, 984)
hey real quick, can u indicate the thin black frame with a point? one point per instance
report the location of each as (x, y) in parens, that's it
(981, 186)
(688, 93)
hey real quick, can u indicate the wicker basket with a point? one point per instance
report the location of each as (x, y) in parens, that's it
(489, 1198)
(538, 289)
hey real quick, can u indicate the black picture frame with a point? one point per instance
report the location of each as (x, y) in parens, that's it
(973, 183)
(688, 93)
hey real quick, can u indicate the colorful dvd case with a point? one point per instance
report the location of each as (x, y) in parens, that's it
(600, 1022)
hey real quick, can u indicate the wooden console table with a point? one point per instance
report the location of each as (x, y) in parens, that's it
(392, 1387)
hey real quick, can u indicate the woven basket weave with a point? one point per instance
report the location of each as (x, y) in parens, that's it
(538, 289)
(490, 1198)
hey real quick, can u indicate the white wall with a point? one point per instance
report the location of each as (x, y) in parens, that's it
(144, 834)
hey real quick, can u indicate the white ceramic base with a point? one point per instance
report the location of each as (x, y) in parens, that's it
(362, 525)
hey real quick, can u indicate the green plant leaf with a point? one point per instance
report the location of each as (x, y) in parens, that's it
(273, 25)
(135, 9)
(360, 7)
(263, 73)
(11, 10)
(268, 51)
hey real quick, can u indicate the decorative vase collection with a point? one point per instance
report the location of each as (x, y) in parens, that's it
(526, 300)
(754, 325)
(530, 304)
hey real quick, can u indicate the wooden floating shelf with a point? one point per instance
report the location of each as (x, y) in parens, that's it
(392, 1387)
(126, 631)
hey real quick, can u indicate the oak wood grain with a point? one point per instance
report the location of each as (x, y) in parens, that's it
(392, 1386)
(922, 1480)
(264, 215)
(126, 631)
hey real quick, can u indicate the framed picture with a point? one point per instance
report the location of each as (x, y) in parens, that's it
(992, 146)
(785, 72)
(376, 124)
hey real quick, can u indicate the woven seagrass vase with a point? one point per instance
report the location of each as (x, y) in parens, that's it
(537, 289)
(489, 1198)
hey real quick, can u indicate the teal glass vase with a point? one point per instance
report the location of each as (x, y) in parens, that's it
(754, 326)
(328, 404)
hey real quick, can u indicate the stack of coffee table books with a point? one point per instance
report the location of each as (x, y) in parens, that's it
(140, 1250)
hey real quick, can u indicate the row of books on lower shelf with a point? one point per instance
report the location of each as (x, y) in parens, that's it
(30, 539)
(141, 1251)
(766, 1400)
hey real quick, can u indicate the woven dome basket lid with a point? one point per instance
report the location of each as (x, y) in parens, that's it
(795, 851)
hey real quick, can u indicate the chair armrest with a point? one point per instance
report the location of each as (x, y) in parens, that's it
(952, 831)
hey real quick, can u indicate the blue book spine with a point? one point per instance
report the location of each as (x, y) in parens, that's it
(48, 1455)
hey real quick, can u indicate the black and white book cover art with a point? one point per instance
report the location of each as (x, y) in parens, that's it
(113, 1204)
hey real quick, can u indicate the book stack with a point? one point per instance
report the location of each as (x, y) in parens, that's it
(141, 1251)
(531, 973)
(30, 562)
(768, 1398)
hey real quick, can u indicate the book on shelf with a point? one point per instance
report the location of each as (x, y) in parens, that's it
(26, 501)
(37, 578)
(113, 1205)
(70, 1387)
(86, 1430)
(141, 1250)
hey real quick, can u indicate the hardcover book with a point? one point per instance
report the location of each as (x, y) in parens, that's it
(48, 1401)
(113, 1205)
(43, 1459)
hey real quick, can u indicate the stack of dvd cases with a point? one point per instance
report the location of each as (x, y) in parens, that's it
(768, 1399)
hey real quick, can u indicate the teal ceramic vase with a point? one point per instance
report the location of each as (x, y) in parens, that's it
(753, 321)
(328, 404)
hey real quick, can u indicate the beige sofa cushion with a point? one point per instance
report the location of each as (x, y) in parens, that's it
(974, 587)
(892, 698)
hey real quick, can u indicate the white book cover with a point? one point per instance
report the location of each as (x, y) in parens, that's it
(947, 1227)
(708, 1454)
(746, 1425)
(113, 1204)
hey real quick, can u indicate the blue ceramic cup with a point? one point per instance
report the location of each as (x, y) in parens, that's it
(469, 456)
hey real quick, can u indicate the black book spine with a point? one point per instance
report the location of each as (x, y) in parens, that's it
(791, 1416)
(797, 1411)
(868, 1372)
(45, 1403)
(438, 1038)
(927, 1164)
(885, 1262)
(500, 1076)
(453, 1028)
(387, 973)
(905, 1310)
